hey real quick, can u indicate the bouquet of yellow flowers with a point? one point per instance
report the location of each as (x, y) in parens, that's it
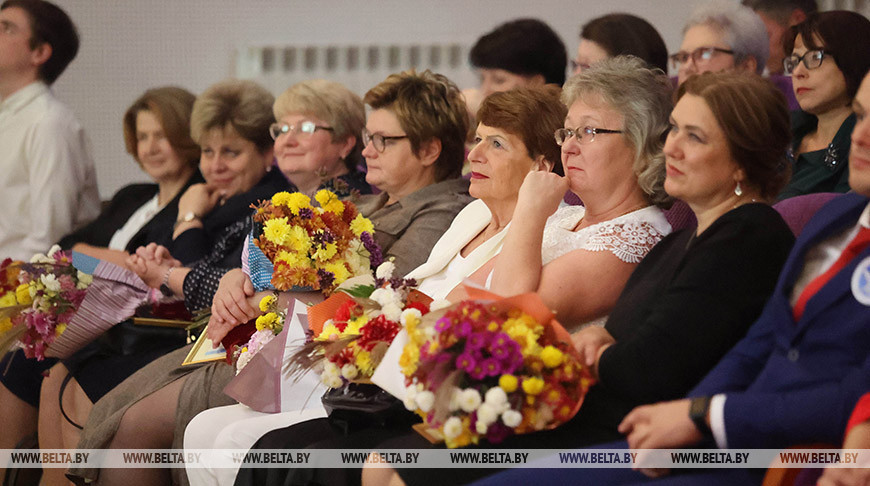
(314, 247)
(490, 369)
(268, 325)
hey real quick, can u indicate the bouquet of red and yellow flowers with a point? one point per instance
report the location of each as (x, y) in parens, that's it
(351, 331)
(314, 247)
(490, 369)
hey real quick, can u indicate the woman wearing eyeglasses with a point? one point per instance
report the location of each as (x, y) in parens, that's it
(317, 141)
(827, 63)
(721, 36)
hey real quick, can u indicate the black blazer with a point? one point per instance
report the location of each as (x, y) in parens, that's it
(124, 203)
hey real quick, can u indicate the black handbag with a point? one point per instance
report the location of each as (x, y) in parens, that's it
(360, 405)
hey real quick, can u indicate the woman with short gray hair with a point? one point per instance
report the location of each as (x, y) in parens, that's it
(721, 35)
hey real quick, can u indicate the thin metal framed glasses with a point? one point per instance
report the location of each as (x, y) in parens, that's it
(306, 127)
(811, 59)
(378, 141)
(699, 56)
(583, 135)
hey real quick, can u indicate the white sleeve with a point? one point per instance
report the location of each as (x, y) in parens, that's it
(717, 420)
(63, 192)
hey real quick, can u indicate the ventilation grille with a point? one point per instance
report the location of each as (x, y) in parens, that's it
(358, 67)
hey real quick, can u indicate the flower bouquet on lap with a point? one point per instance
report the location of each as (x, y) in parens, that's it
(38, 300)
(349, 335)
(491, 368)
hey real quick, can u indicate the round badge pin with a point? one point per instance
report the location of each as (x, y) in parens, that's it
(861, 282)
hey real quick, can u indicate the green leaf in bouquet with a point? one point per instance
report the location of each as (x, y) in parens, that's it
(359, 291)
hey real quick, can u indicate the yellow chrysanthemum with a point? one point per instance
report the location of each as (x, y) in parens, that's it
(298, 201)
(409, 359)
(267, 321)
(298, 240)
(22, 294)
(328, 331)
(354, 325)
(551, 356)
(324, 197)
(508, 383)
(359, 225)
(5, 324)
(339, 270)
(329, 201)
(277, 230)
(324, 253)
(533, 385)
(281, 199)
(8, 300)
(268, 303)
(59, 329)
(364, 362)
(291, 259)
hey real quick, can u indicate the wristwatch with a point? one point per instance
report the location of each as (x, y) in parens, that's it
(164, 287)
(186, 218)
(698, 413)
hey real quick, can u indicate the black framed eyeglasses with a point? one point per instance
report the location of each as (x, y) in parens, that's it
(378, 141)
(305, 127)
(583, 135)
(811, 59)
(699, 55)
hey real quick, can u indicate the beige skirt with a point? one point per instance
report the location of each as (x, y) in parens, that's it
(202, 390)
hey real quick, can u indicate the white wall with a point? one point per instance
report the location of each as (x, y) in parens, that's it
(129, 46)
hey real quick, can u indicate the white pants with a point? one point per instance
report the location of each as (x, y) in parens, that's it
(235, 427)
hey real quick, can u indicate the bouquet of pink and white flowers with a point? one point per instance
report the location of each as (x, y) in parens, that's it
(49, 290)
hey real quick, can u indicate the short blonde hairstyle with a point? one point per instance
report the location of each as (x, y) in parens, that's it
(331, 102)
(428, 106)
(243, 105)
(642, 95)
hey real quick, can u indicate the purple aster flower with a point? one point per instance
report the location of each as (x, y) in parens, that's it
(466, 362)
(443, 324)
(306, 213)
(375, 255)
(477, 340)
(500, 352)
(463, 329)
(492, 367)
(478, 372)
(324, 278)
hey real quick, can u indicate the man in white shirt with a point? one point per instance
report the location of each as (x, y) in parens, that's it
(48, 186)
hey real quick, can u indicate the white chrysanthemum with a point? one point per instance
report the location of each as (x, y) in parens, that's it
(244, 359)
(481, 427)
(50, 281)
(454, 399)
(496, 397)
(511, 418)
(383, 296)
(54, 249)
(439, 304)
(392, 312)
(349, 371)
(331, 369)
(452, 428)
(487, 414)
(469, 400)
(385, 270)
(332, 381)
(410, 400)
(41, 258)
(425, 400)
(411, 313)
(84, 279)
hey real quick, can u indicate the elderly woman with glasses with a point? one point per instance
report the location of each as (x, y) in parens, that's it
(827, 62)
(719, 36)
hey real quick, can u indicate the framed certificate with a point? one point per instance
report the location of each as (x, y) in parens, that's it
(203, 351)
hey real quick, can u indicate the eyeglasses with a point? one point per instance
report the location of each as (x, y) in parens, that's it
(306, 127)
(583, 135)
(378, 141)
(575, 65)
(811, 59)
(699, 55)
